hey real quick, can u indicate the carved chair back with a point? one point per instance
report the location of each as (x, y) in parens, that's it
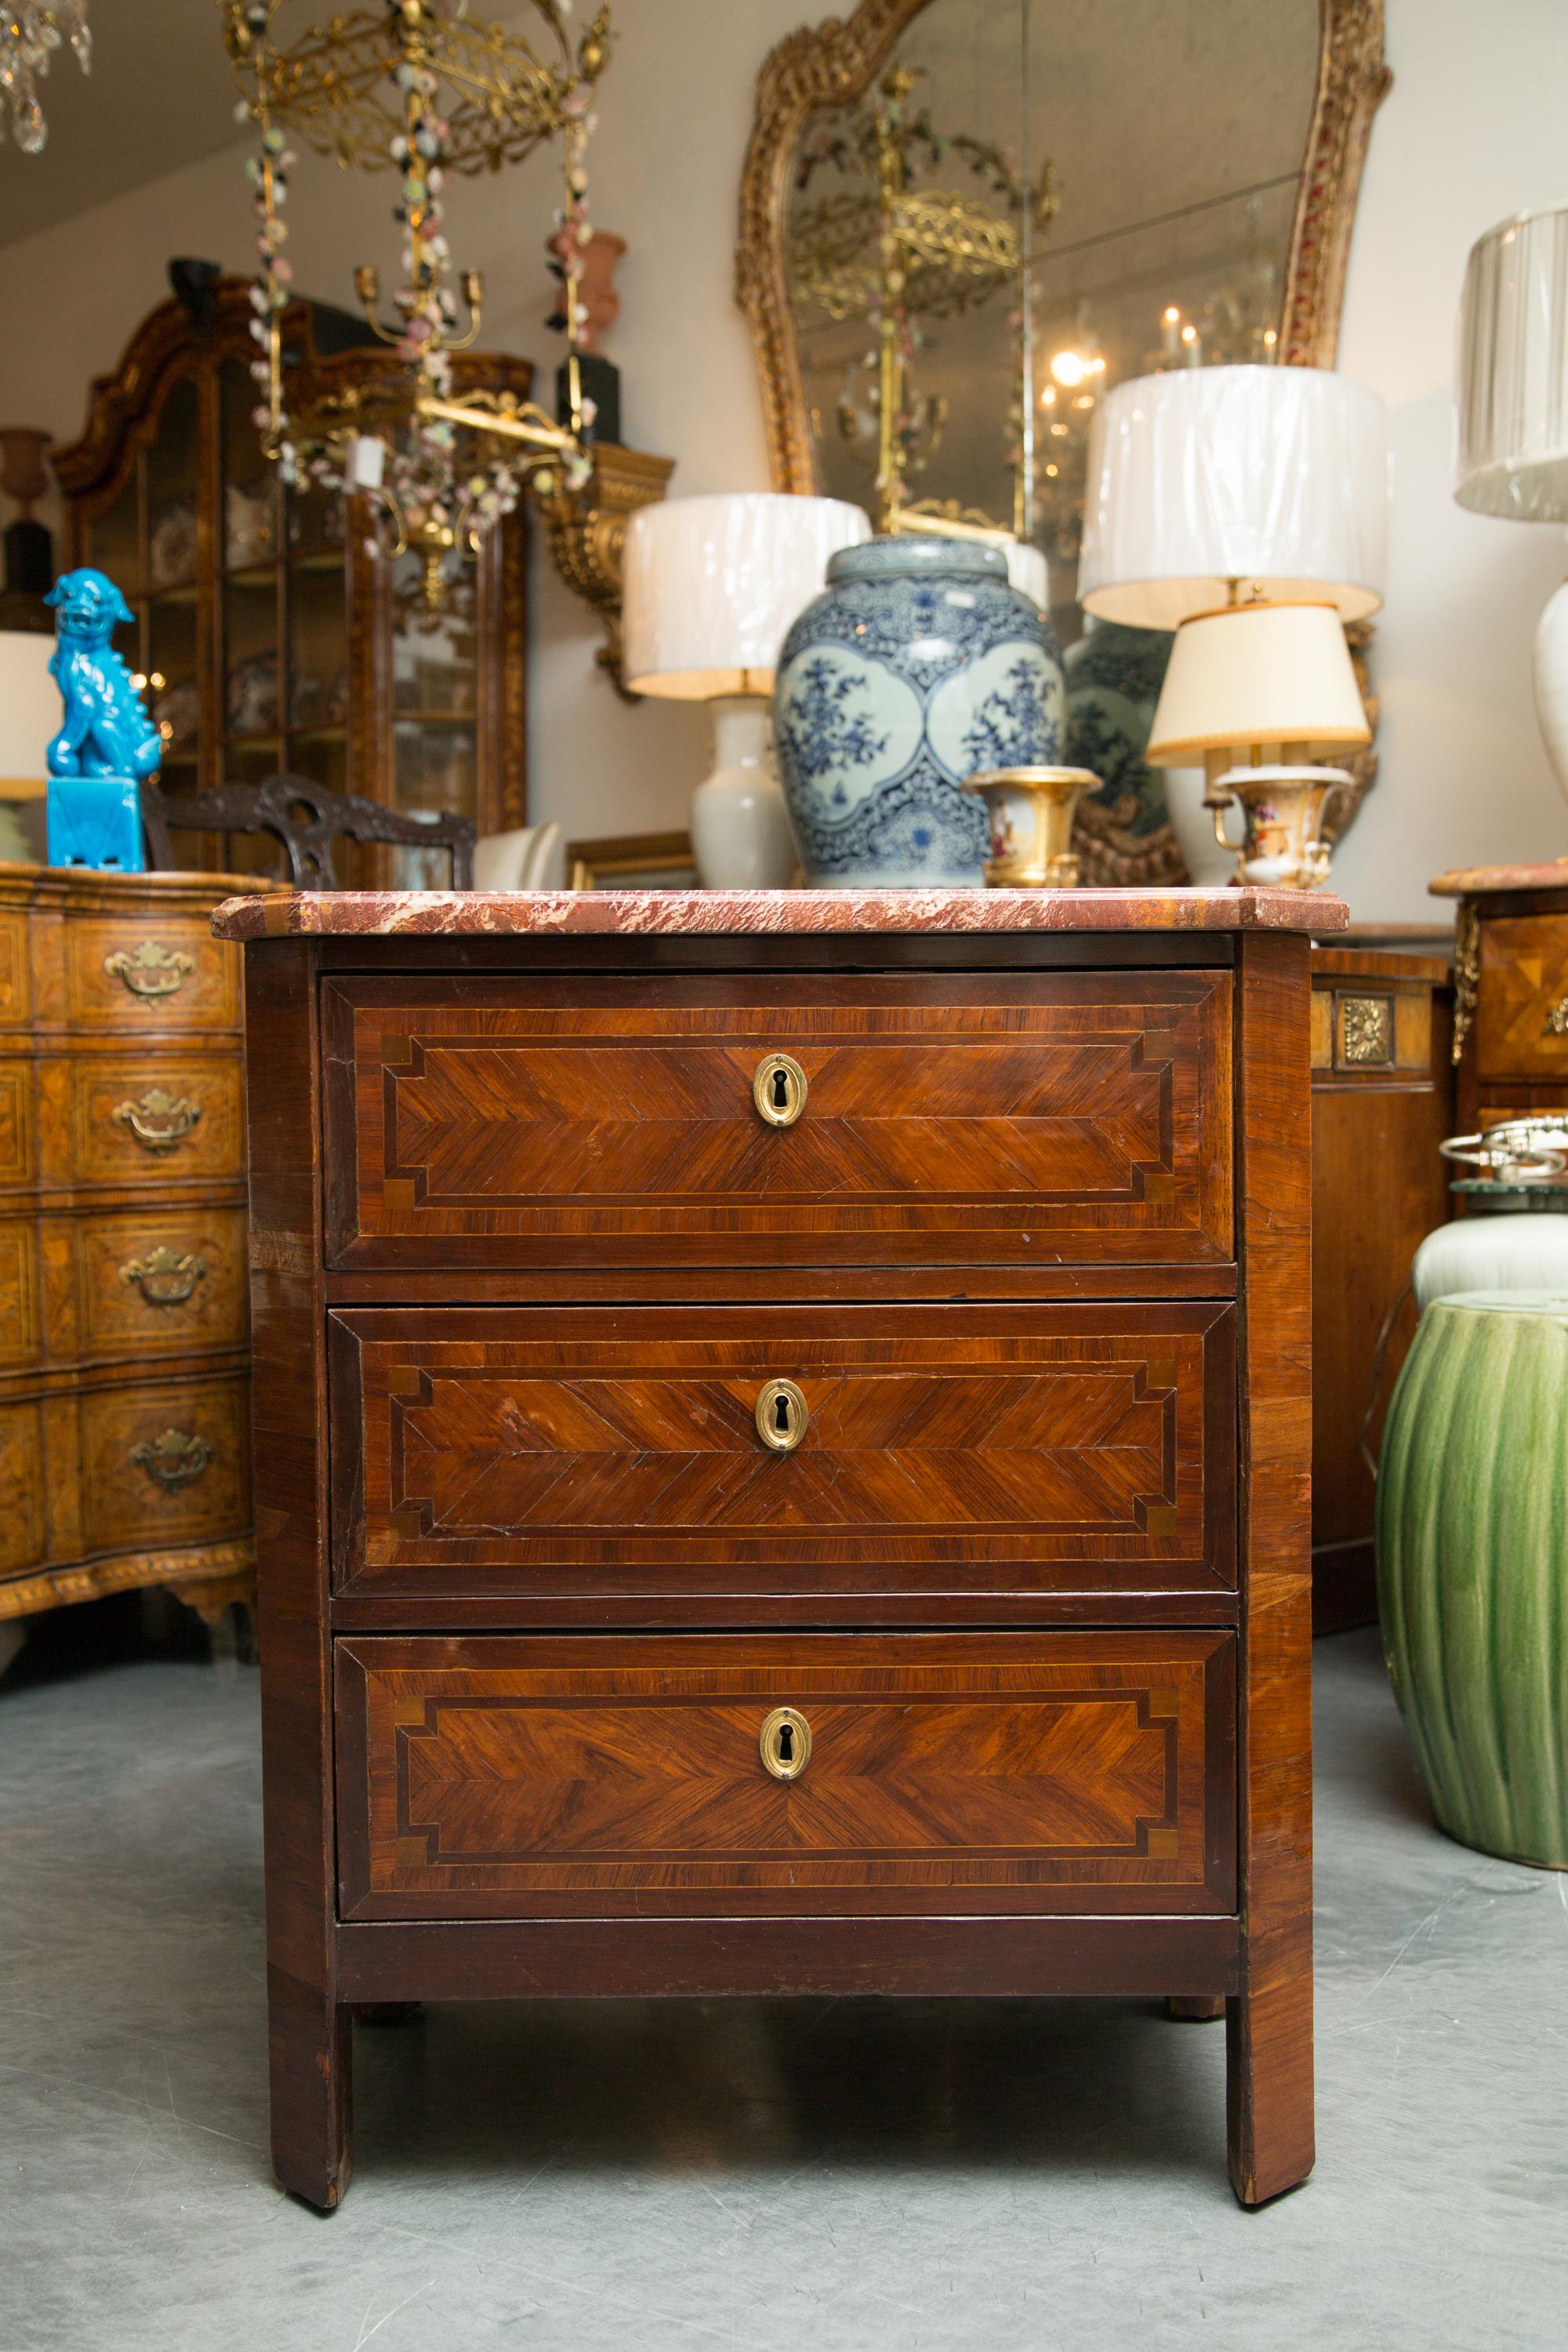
(307, 819)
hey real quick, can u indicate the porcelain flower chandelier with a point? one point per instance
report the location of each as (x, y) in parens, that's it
(414, 88)
(29, 36)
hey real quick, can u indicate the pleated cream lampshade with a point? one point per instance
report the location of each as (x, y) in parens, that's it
(711, 585)
(1262, 681)
(1273, 478)
(1513, 415)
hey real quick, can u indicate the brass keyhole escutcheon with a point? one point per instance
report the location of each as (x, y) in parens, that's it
(784, 1743)
(779, 1090)
(782, 1416)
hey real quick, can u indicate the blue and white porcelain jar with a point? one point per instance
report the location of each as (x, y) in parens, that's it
(916, 666)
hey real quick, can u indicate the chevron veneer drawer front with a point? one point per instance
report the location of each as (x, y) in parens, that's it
(540, 1452)
(513, 1779)
(1039, 1119)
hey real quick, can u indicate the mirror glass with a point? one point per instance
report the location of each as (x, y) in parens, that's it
(1035, 200)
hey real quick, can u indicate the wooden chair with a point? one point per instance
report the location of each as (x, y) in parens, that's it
(307, 819)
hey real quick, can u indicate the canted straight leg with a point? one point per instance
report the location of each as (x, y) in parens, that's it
(1269, 2022)
(312, 2091)
(1268, 2089)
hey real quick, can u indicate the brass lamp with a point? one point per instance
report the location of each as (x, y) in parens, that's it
(1259, 693)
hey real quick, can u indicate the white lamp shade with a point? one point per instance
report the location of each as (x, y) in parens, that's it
(1257, 675)
(30, 712)
(1273, 477)
(1513, 370)
(711, 585)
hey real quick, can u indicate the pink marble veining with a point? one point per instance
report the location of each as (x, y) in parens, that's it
(743, 913)
(1475, 881)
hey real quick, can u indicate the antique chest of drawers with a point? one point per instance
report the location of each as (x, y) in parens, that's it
(124, 1319)
(782, 1435)
(1510, 991)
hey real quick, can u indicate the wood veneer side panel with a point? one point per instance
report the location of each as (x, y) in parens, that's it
(309, 2029)
(1269, 2026)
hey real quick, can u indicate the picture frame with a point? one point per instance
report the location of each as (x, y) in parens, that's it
(631, 861)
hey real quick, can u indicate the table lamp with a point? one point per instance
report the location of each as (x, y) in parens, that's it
(29, 719)
(1217, 496)
(711, 585)
(1513, 415)
(1259, 692)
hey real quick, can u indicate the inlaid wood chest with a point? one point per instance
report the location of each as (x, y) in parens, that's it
(787, 1407)
(125, 1314)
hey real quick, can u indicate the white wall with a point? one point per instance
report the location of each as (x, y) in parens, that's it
(1473, 130)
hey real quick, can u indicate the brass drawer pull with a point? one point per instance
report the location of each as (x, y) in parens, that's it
(172, 1460)
(158, 1121)
(779, 1090)
(162, 1279)
(1556, 1022)
(781, 1415)
(151, 970)
(784, 1744)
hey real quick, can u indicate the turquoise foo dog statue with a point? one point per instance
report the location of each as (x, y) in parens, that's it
(107, 743)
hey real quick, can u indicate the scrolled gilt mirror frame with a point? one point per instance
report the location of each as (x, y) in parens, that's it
(833, 63)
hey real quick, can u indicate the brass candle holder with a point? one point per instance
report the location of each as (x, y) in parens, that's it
(1031, 812)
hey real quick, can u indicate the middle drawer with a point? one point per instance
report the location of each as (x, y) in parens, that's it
(790, 1452)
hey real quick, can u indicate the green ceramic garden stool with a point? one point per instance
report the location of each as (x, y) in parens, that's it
(1472, 1567)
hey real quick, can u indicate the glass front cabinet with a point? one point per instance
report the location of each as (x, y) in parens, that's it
(274, 632)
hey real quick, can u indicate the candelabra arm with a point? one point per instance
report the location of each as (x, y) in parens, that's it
(536, 430)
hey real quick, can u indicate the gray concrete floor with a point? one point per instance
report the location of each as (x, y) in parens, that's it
(573, 2175)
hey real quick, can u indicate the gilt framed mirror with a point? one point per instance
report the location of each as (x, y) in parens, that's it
(1080, 192)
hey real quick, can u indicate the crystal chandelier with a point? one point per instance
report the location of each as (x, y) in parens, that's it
(29, 36)
(413, 86)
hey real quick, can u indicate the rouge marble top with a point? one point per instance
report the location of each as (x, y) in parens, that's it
(459, 913)
(1475, 881)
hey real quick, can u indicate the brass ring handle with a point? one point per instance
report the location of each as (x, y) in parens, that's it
(158, 1121)
(152, 969)
(162, 1279)
(1556, 1022)
(779, 1089)
(172, 1460)
(784, 1744)
(782, 1414)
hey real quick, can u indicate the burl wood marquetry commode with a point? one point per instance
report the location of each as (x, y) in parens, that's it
(782, 1435)
(124, 1355)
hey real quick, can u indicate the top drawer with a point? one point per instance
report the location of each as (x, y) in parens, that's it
(137, 973)
(1521, 1012)
(1048, 1119)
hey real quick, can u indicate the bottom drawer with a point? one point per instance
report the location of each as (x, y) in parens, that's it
(1038, 1772)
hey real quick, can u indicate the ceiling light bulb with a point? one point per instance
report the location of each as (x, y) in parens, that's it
(1068, 367)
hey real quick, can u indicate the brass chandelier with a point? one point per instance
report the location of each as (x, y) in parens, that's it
(411, 86)
(893, 255)
(31, 32)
